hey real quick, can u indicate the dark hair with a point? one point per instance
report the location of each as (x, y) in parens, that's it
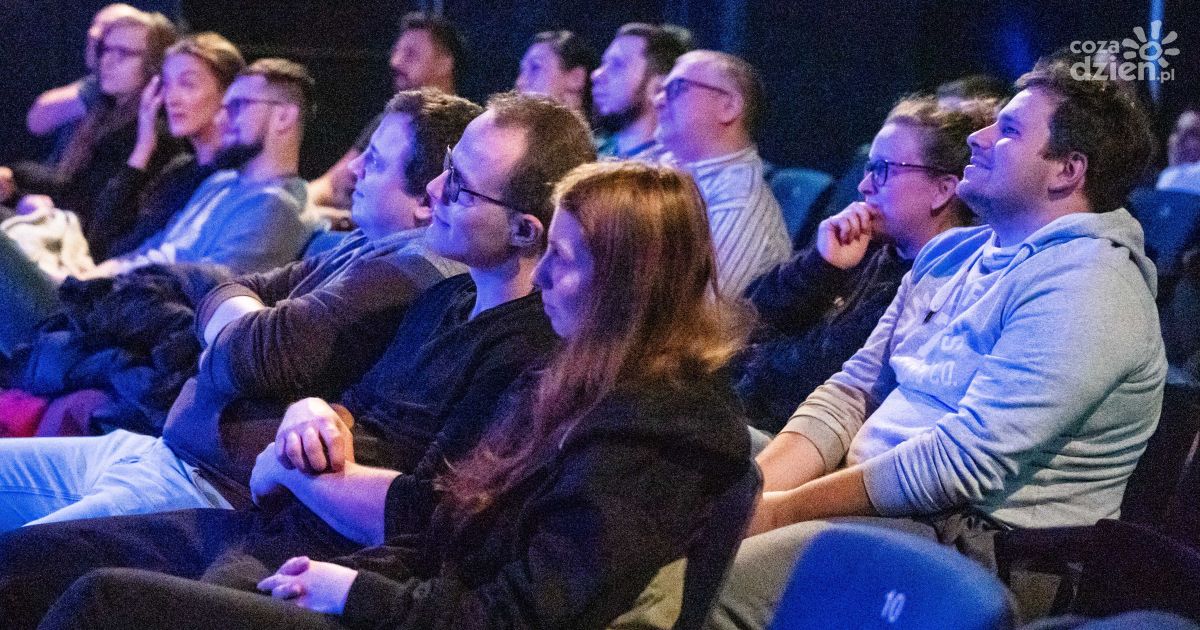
(556, 140)
(650, 317)
(1099, 120)
(438, 120)
(445, 37)
(944, 130)
(975, 86)
(749, 85)
(219, 54)
(290, 78)
(664, 44)
(572, 53)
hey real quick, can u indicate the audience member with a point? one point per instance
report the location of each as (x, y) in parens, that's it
(821, 305)
(58, 108)
(1017, 375)
(457, 348)
(559, 64)
(136, 202)
(631, 72)
(709, 108)
(1183, 155)
(428, 53)
(130, 53)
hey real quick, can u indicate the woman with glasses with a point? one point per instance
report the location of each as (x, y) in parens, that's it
(598, 472)
(130, 53)
(819, 307)
(137, 201)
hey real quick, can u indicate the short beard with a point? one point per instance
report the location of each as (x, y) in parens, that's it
(237, 156)
(616, 121)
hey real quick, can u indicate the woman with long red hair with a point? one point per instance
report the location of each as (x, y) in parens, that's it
(598, 473)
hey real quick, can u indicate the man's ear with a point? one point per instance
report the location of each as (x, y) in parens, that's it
(947, 186)
(526, 231)
(285, 117)
(444, 66)
(653, 85)
(1069, 174)
(733, 109)
(423, 212)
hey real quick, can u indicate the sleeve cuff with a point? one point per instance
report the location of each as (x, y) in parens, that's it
(827, 441)
(885, 486)
(214, 299)
(370, 600)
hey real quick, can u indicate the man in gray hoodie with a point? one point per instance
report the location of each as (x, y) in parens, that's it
(1016, 376)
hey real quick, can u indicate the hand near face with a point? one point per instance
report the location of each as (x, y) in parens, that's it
(313, 438)
(842, 239)
(318, 586)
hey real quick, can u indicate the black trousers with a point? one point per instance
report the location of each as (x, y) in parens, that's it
(121, 599)
(230, 548)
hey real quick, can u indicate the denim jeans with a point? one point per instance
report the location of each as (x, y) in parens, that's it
(45, 480)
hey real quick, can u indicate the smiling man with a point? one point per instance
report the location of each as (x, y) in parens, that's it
(1017, 375)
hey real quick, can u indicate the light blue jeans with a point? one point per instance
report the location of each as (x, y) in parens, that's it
(45, 480)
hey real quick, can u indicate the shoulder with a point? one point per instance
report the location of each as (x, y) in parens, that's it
(948, 251)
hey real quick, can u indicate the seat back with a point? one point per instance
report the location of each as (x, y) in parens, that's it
(1155, 480)
(798, 191)
(713, 548)
(1171, 221)
(857, 576)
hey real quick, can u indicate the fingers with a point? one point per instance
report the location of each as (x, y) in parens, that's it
(335, 443)
(314, 450)
(294, 449)
(295, 566)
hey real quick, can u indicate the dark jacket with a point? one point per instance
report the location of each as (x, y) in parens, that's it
(815, 317)
(130, 336)
(578, 538)
(137, 203)
(80, 192)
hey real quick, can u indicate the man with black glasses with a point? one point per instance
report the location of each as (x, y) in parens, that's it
(709, 107)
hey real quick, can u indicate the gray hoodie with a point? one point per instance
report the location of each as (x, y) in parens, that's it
(1021, 381)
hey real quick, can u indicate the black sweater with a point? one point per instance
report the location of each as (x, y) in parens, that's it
(136, 203)
(816, 317)
(578, 538)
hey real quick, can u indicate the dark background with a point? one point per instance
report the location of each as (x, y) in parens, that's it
(832, 69)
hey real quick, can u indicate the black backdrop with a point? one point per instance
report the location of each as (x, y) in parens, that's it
(832, 68)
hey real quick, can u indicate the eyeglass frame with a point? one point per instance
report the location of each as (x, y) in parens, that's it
(121, 51)
(240, 103)
(454, 179)
(872, 167)
(675, 87)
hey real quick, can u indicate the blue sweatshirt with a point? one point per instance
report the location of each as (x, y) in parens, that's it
(1021, 381)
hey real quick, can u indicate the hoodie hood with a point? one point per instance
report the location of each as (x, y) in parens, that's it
(1117, 227)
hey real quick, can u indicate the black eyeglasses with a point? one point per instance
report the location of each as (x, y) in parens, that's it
(120, 52)
(879, 170)
(234, 106)
(454, 186)
(673, 88)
